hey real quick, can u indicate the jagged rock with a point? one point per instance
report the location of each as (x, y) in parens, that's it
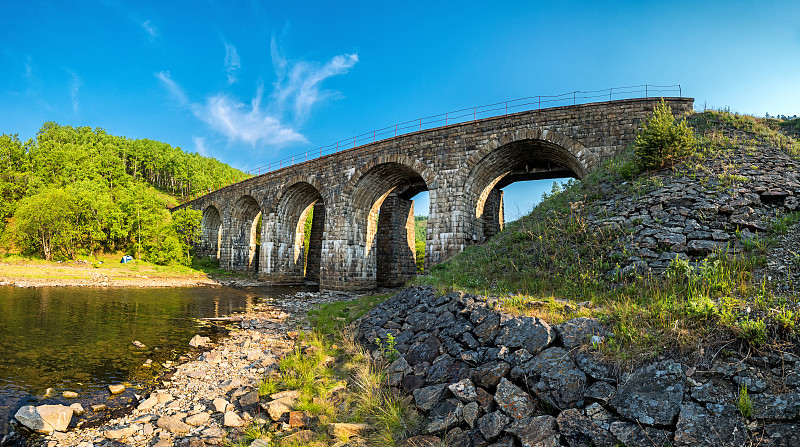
(553, 377)
(44, 418)
(599, 415)
(579, 331)
(600, 391)
(425, 351)
(488, 375)
(699, 427)
(116, 389)
(471, 412)
(634, 435)
(530, 333)
(411, 382)
(77, 409)
(776, 407)
(198, 341)
(148, 403)
(579, 430)
(652, 395)
(488, 329)
(231, 419)
(492, 424)
(173, 425)
(69, 394)
(777, 435)
(447, 369)
(513, 401)
(464, 390)
(279, 409)
(198, 419)
(444, 415)
(121, 433)
(539, 431)
(426, 398)
(220, 405)
(249, 398)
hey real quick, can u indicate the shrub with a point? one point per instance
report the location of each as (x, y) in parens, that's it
(663, 140)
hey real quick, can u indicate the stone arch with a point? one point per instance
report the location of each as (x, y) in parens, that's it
(290, 183)
(211, 232)
(378, 195)
(417, 166)
(524, 154)
(243, 234)
(286, 260)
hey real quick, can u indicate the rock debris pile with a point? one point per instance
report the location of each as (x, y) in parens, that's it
(482, 377)
(692, 214)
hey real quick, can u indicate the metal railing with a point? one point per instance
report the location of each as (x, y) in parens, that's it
(462, 116)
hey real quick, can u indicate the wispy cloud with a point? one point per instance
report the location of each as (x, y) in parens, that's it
(298, 87)
(150, 29)
(298, 84)
(200, 145)
(74, 90)
(232, 63)
(174, 89)
(250, 124)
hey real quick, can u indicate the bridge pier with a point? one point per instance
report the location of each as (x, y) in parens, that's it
(493, 215)
(395, 243)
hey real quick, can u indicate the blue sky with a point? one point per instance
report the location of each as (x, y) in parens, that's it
(253, 82)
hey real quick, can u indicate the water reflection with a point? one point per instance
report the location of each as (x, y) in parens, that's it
(80, 339)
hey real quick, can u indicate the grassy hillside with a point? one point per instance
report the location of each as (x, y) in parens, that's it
(562, 260)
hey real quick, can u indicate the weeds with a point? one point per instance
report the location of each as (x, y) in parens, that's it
(744, 403)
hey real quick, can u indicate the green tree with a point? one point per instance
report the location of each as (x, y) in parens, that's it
(186, 223)
(663, 140)
(44, 224)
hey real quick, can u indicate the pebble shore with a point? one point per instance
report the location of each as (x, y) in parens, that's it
(208, 400)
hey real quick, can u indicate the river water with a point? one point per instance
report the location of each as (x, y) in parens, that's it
(80, 339)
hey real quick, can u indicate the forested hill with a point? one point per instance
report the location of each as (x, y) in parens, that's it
(60, 155)
(102, 192)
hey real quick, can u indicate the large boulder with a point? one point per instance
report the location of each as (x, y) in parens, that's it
(553, 377)
(579, 331)
(45, 418)
(579, 430)
(513, 401)
(530, 333)
(652, 395)
(701, 427)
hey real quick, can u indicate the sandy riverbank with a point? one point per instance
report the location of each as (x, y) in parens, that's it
(84, 274)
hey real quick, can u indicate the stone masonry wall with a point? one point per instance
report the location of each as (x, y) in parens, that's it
(454, 163)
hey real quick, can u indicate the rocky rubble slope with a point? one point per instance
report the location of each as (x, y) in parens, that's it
(482, 377)
(691, 212)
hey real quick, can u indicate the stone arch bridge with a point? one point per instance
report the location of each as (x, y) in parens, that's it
(362, 230)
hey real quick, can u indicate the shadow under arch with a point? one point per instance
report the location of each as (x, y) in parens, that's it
(289, 258)
(381, 220)
(210, 233)
(244, 235)
(496, 166)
